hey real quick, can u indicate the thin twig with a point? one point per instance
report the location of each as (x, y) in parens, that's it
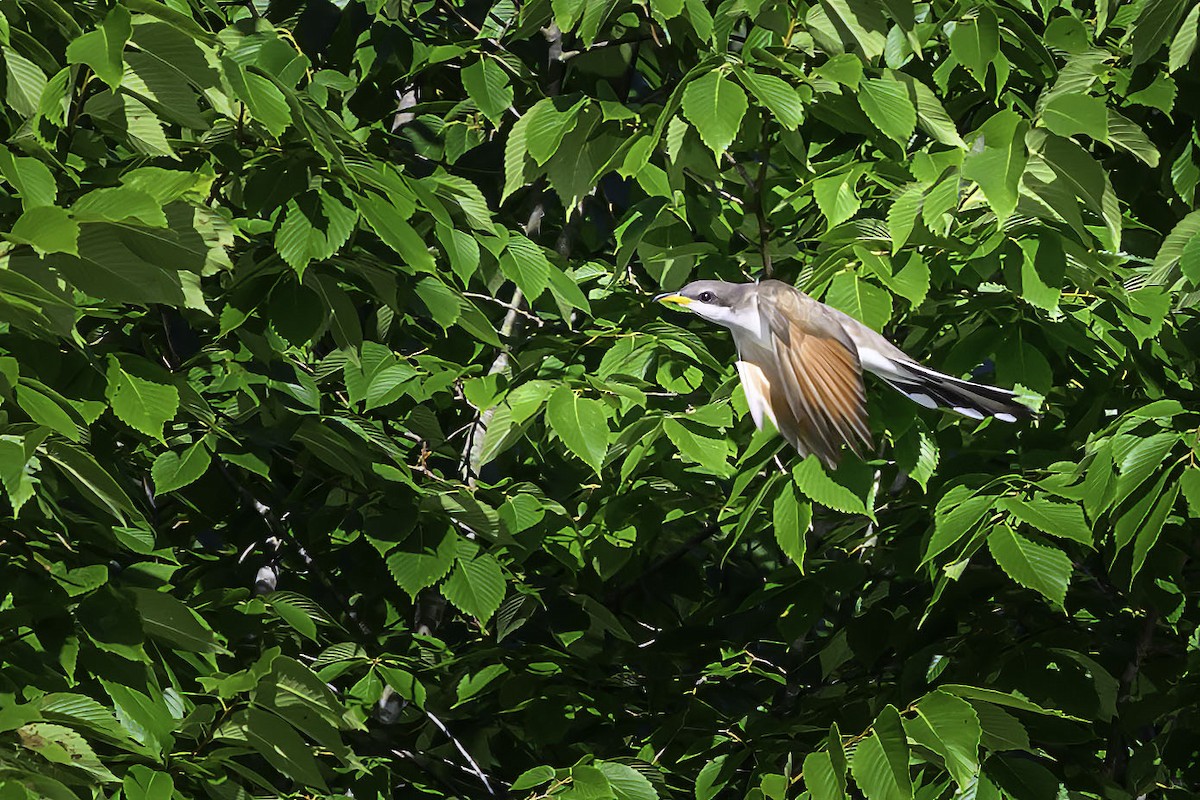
(512, 308)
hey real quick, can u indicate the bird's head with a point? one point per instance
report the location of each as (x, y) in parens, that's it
(716, 301)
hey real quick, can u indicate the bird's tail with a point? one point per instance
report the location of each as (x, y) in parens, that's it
(975, 400)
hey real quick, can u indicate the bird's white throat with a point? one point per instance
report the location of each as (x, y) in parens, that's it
(743, 320)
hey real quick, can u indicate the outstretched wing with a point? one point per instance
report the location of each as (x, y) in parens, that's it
(815, 377)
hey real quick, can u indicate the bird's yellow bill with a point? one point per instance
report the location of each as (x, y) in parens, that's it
(673, 299)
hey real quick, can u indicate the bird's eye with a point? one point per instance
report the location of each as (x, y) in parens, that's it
(705, 297)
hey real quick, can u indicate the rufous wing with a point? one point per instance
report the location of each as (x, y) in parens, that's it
(815, 376)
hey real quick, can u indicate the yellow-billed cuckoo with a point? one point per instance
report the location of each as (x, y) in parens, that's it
(801, 365)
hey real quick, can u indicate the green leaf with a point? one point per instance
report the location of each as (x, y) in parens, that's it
(931, 114)
(1070, 114)
(837, 196)
(1189, 484)
(546, 126)
(280, 745)
(791, 519)
(25, 83)
(172, 621)
(120, 204)
(820, 779)
(524, 263)
(18, 465)
(59, 744)
(1046, 570)
(998, 166)
(93, 480)
(703, 446)
(1153, 25)
(975, 43)
(865, 22)
(488, 87)
(532, 778)
(581, 423)
(1150, 530)
(1006, 699)
(142, 783)
(1184, 43)
(957, 512)
(626, 782)
(172, 471)
(262, 98)
(48, 229)
(389, 222)
(422, 561)
(314, 228)
(903, 213)
(1000, 730)
(476, 586)
(103, 49)
(143, 405)
(949, 727)
(44, 410)
(31, 179)
(811, 479)
(715, 106)
(589, 783)
(780, 97)
(880, 763)
(860, 299)
(1064, 520)
(885, 102)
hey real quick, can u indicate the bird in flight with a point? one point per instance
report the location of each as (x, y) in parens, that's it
(801, 364)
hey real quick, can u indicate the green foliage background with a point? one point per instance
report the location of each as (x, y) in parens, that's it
(343, 455)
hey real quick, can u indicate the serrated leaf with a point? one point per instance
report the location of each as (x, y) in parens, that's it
(143, 405)
(391, 225)
(715, 106)
(1072, 113)
(172, 471)
(262, 98)
(626, 782)
(1153, 25)
(837, 196)
(1064, 520)
(476, 586)
(820, 778)
(103, 48)
(779, 96)
(581, 423)
(975, 43)
(880, 763)
(171, 620)
(1184, 43)
(949, 727)
(44, 410)
(791, 519)
(1046, 570)
(524, 263)
(47, 229)
(957, 512)
(546, 125)
(902, 214)
(25, 83)
(422, 561)
(31, 179)
(998, 166)
(487, 85)
(811, 479)
(885, 102)
(860, 299)
(703, 446)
